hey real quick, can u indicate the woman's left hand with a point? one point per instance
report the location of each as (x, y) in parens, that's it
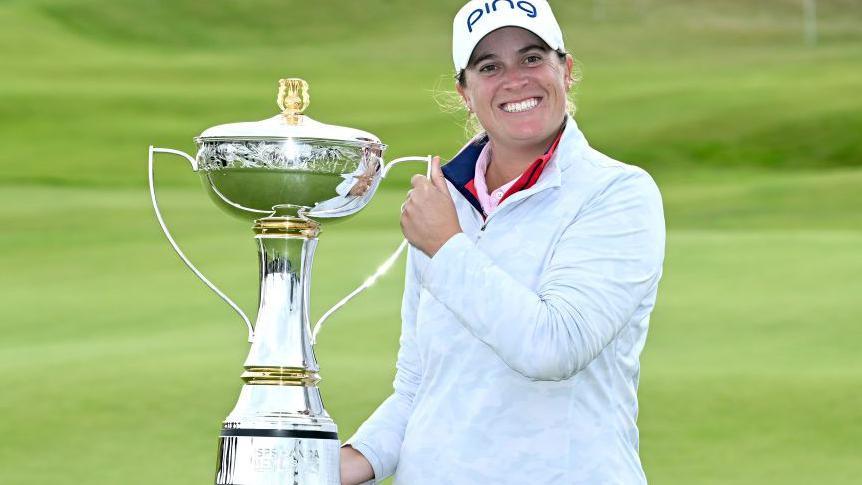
(429, 219)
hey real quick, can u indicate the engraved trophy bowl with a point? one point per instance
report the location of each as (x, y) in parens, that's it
(329, 171)
(286, 175)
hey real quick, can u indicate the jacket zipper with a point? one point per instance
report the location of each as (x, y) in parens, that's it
(487, 218)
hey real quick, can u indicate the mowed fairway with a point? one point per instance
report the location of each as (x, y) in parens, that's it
(117, 365)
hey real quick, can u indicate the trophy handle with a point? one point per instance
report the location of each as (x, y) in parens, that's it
(383, 268)
(173, 243)
(388, 166)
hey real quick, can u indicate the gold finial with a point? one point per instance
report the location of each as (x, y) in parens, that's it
(292, 99)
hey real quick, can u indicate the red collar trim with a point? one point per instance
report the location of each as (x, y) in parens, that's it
(532, 173)
(471, 187)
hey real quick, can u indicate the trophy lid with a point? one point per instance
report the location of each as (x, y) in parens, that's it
(293, 100)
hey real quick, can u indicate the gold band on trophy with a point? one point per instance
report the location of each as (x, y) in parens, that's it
(280, 376)
(288, 227)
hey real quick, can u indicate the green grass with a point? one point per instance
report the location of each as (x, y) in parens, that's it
(114, 354)
(117, 365)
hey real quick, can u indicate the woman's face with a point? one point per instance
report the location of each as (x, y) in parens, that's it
(517, 87)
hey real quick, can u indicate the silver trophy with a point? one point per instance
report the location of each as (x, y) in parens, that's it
(288, 175)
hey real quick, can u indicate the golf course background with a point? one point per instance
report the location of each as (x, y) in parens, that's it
(117, 365)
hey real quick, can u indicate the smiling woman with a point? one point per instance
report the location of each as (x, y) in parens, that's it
(455, 101)
(533, 269)
(516, 85)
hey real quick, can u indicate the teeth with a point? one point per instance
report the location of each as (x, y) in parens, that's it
(522, 106)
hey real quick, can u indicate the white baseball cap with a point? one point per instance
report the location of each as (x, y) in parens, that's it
(479, 18)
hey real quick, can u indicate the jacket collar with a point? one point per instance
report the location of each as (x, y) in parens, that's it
(462, 168)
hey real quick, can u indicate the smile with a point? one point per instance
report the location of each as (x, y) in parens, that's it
(520, 106)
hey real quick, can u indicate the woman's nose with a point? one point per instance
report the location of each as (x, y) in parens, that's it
(514, 78)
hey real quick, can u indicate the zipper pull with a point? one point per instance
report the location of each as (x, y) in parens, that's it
(484, 220)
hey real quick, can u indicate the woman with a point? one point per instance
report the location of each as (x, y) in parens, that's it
(532, 273)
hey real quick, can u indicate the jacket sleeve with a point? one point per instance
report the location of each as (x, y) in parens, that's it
(379, 438)
(607, 261)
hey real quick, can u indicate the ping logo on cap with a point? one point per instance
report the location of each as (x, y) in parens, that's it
(476, 15)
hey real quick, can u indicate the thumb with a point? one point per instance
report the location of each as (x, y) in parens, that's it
(437, 175)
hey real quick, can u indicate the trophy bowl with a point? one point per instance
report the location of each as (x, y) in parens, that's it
(330, 180)
(328, 171)
(286, 174)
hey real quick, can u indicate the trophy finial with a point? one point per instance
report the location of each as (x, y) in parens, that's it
(292, 99)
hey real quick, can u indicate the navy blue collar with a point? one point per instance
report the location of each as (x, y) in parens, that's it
(462, 169)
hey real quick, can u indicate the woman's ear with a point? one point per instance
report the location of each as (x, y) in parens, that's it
(570, 65)
(464, 97)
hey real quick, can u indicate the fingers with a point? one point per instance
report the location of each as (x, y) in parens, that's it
(425, 189)
(406, 200)
(405, 219)
(437, 175)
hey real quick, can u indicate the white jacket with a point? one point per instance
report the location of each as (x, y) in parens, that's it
(520, 339)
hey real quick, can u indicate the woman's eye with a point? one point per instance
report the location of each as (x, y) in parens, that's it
(533, 59)
(488, 68)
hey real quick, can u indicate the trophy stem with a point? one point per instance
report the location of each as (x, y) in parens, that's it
(278, 432)
(282, 331)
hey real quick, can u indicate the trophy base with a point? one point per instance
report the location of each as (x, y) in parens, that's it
(278, 457)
